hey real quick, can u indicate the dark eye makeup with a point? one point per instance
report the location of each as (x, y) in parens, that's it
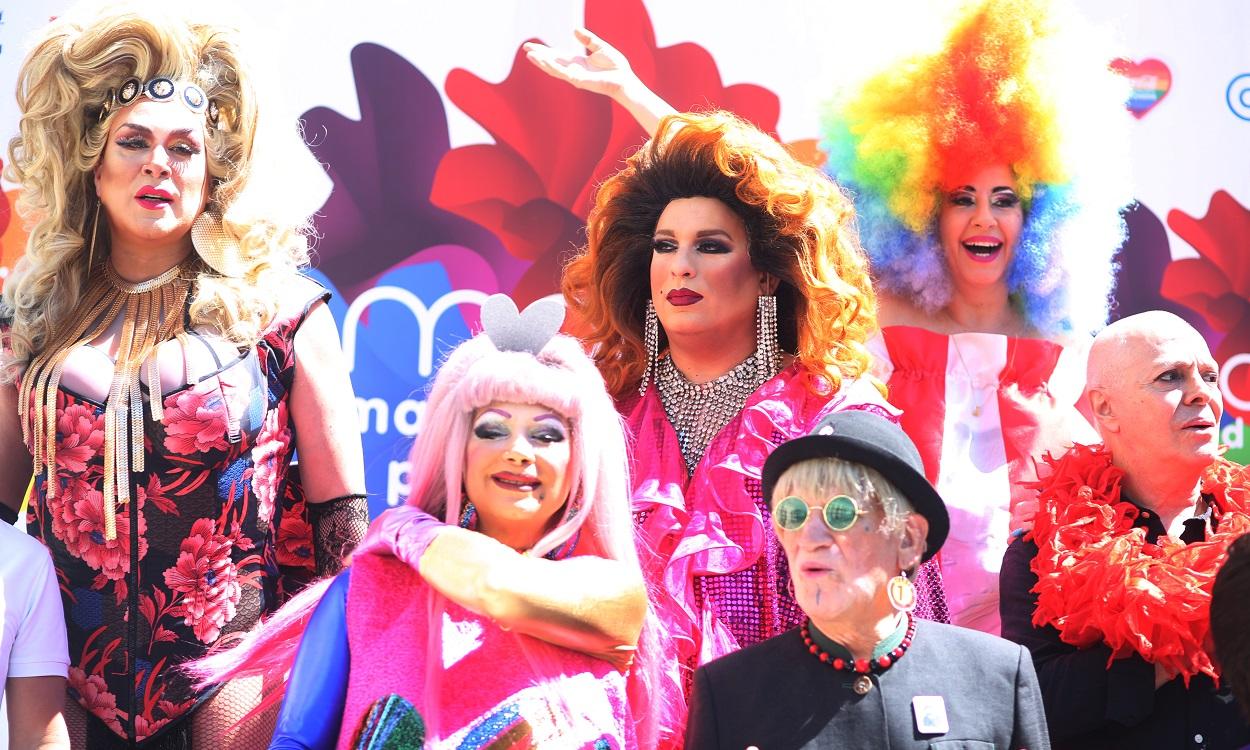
(490, 430)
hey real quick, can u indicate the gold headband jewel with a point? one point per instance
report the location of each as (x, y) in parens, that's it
(152, 313)
(162, 89)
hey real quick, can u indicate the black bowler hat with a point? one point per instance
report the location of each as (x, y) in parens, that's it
(862, 437)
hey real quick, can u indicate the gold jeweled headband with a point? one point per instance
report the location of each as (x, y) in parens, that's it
(163, 89)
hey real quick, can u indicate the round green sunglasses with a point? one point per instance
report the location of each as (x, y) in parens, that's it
(840, 513)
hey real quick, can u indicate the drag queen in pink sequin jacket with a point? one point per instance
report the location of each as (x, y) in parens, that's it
(727, 300)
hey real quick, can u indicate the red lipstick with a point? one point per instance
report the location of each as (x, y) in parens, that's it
(982, 248)
(682, 297)
(154, 199)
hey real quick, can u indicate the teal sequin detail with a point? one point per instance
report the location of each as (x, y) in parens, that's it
(506, 722)
(392, 723)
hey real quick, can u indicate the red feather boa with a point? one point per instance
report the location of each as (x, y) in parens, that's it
(1098, 579)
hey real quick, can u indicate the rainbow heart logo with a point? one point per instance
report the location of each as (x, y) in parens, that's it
(1151, 79)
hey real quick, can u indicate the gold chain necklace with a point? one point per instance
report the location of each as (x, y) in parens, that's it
(152, 314)
(977, 404)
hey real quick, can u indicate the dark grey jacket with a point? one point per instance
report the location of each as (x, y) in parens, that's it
(777, 696)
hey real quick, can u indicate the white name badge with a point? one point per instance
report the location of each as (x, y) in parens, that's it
(930, 712)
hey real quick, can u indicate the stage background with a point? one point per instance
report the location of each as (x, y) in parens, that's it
(443, 167)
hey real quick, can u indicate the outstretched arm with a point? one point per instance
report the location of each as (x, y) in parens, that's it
(603, 70)
(585, 603)
(35, 719)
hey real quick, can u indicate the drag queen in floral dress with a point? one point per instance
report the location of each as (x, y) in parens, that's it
(156, 379)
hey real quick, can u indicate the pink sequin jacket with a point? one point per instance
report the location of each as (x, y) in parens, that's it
(719, 578)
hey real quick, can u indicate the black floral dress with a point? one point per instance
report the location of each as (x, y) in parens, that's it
(216, 533)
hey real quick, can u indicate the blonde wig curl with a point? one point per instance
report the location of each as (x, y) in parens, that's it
(63, 87)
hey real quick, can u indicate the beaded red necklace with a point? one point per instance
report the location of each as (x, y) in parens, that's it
(861, 667)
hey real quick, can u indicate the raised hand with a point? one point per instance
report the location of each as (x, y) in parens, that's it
(602, 70)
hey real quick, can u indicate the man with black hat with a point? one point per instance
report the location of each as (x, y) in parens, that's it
(1111, 590)
(855, 516)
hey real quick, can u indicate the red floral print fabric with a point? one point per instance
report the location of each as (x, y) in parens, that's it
(214, 537)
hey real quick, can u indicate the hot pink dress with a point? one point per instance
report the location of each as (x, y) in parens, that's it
(419, 658)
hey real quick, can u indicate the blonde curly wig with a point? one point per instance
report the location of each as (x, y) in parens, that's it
(63, 86)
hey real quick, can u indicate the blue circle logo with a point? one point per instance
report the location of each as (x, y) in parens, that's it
(1238, 96)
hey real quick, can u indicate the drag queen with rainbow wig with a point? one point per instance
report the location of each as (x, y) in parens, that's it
(432, 639)
(988, 180)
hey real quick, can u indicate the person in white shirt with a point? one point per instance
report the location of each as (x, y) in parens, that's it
(34, 655)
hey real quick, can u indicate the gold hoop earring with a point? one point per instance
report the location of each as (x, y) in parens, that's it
(214, 246)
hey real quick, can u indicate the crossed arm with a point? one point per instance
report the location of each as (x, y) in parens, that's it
(585, 603)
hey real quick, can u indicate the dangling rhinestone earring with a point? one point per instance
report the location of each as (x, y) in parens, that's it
(650, 337)
(767, 356)
(468, 515)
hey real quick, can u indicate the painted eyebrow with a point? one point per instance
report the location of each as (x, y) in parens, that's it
(700, 233)
(495, 410)
(996, 189)
(180, 132)
(549, 417)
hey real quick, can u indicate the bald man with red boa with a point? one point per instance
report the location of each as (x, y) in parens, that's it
(1111, 590)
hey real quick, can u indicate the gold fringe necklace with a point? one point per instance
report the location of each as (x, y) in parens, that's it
(152, 313)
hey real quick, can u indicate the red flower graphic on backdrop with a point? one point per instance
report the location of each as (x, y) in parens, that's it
(553, 143)
(154, 492)
(93, 695)
(146, 726)
(1217, 284)
(207, 579)
(80, 431)
(195, 421)
(12, 234)
(383, 164)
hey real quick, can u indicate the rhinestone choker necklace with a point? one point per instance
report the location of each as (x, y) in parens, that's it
(698, 411)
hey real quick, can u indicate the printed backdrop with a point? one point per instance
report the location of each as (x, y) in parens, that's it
(442, 167)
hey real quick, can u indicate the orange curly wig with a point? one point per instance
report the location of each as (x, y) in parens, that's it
(802, 231)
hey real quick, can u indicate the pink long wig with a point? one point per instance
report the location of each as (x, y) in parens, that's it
(563, 378)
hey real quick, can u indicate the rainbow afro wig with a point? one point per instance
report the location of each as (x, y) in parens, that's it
(1014, 84)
